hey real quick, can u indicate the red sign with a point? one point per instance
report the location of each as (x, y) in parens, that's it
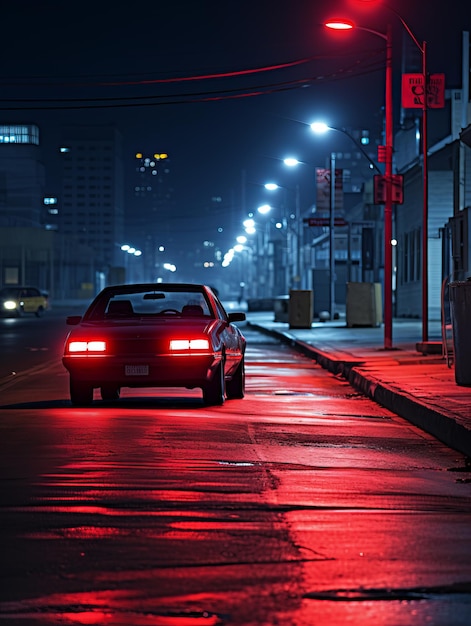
(383, 153)
(380, 188)
(413, 91)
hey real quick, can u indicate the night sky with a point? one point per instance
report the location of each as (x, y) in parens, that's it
(123, 63)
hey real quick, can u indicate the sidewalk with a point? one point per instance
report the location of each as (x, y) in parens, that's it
(419, 387)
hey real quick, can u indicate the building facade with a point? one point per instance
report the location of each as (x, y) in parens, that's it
(449, 199)
(148, 218)
(32, 252)
(91, 208)
(22, 176)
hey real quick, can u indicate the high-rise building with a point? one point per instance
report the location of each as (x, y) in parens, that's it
(22, 176)
(150, 221)
(32, 251)
(92, 201)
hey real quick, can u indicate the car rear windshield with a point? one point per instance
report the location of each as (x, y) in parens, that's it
(122, 304)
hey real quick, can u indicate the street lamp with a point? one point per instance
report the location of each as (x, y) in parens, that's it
(130, 250)
(332, 237)
(422, 47)
(322, 127)
(261, 260)
(298, 270)
(423, 50)
(293, 162)
(388, 110)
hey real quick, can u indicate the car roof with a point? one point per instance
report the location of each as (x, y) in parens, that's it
(138, 287)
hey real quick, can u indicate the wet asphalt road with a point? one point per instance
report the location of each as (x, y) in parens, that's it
(304, 503)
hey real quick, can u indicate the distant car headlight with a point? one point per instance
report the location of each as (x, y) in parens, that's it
(87, 346)
(10, 305)
(189, 344)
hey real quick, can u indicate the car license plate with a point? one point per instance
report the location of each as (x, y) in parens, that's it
(136, 370)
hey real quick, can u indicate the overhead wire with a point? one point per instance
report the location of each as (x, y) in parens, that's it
(366, 65)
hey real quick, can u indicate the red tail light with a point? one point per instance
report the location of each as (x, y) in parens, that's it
(87, 347)
(189, 344)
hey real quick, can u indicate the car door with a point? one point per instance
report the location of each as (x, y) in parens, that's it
(31, 300)
(230, 338)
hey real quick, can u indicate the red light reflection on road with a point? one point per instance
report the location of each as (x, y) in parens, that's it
(99, 608)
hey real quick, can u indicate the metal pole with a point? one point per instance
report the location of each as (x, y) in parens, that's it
(423, 50)
(299, 226)
(331, 236)
(388, 204)
(425, 200)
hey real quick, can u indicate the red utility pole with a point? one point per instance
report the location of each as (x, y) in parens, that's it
(388, 207)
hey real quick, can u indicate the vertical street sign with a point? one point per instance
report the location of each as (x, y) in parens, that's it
(380, 188)
(413, 91)
(323, 190)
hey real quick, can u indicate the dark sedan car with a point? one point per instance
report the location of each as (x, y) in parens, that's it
(155, 335)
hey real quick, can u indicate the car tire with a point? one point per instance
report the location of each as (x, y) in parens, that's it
(213, 392)
(81, 394)
(109, 393)
(235, 388)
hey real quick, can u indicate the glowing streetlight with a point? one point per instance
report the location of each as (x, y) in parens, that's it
(131, 250)
(321, 128)
(341, 24)
(291, 162)
(249, 225)
(422, 47)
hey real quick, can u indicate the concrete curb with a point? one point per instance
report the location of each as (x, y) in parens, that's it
(436, 423)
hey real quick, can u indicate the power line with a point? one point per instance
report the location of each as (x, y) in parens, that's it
(359, 68)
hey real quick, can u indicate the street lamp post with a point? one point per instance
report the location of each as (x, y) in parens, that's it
(332, 238)
(130, 250)
(265, 267)
(261, 237)
(299, 240)
(423, 51)
(296, 231)
(388, 208)
(321, 127)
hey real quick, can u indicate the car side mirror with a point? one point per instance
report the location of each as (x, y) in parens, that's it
(236, 317)
(73, 320)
